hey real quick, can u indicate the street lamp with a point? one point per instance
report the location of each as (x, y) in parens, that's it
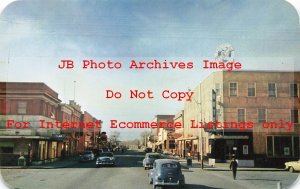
(29, 154)
(201, 137)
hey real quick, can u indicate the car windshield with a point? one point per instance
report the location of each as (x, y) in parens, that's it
(87, 153)
(106, 154)
(154, 156)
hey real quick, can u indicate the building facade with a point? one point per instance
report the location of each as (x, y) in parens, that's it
(33, 103)
(252, 115)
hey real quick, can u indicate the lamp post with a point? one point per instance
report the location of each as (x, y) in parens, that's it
(29, 154)
(199, 108)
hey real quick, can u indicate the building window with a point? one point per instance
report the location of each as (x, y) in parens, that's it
(283, 146)
(232, 89)
(262, 115)
(22, 106)
(241, 115)
(294, 90)
(294, 116)
(270, 146)
(251, 89)
(217, 89)
(272, 89)
(296, 146)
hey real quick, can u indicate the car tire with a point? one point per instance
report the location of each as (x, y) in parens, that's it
(291, 169)
(145, 168)
(151, 181)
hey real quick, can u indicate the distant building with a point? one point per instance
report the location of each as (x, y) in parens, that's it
(162, 142)
(240, 98)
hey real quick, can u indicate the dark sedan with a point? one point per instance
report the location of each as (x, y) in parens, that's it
(149, 159)
(166, 172)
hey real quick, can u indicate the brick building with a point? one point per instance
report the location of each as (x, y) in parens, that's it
(28, 102)
(252, 103)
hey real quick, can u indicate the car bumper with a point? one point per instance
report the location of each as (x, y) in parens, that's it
(166, 183)
(105, 163)
(148, 166)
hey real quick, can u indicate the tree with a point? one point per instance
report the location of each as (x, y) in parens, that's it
(144, 137)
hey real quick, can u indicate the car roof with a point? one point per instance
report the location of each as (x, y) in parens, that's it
(153, 153)
(163, 161)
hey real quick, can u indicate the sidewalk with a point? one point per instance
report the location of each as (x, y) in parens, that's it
(53, 165)
(221, 166)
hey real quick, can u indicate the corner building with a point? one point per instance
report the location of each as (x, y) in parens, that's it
(265, 98)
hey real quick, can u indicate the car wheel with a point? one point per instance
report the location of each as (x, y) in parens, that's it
(145, 168)
(151, 181)
(291, 169)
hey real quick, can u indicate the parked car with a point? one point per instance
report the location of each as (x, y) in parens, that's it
(87, 156)
(148, 150)
(105, 158)
(166, 172)
(293, 166)
(167, 155)
(149, 159)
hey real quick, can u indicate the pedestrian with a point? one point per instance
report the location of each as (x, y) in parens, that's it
(233, 166)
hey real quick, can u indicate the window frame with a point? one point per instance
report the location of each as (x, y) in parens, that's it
(236, 88)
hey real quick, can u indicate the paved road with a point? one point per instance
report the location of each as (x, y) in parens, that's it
(129, 174)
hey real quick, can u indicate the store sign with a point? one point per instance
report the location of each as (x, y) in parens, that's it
(58, 136)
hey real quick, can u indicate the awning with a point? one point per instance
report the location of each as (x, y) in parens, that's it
(187, 138)
(7, 144)
(24, 137)
(229, 137)
(174, 135)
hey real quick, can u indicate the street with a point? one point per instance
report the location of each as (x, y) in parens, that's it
(129, 173)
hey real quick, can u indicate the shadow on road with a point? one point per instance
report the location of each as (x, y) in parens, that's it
(199, 186)
(262, 179)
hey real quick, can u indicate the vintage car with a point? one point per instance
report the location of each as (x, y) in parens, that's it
(292, 166)
(105, 158)
(149, 159)
(166, 172)
(87, 156)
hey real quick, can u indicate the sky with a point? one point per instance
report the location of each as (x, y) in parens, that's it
(36, 35)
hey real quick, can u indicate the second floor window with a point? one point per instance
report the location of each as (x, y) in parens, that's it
(262, 115)
(241, 115)
(294, 90)
(22, 106)
(232, 89)
(294, 116)
(251, 89)
(272, 89)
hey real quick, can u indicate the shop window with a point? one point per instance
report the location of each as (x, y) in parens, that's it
(269, 146)
(7, 150)
(282, 146)
(296, 147)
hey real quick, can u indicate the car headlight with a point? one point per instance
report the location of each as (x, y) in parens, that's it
(159, 179)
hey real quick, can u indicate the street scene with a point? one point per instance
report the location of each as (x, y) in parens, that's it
(128, 172)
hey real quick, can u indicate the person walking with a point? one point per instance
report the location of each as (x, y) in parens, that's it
(233, 166)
